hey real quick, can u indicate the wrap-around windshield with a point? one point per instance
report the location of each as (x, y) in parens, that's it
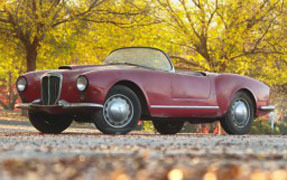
(146, 57)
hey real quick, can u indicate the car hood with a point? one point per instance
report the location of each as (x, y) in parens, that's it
(90, 68)
(71, 70)
(83, 69)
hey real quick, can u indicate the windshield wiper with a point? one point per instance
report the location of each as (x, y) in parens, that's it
(123, 63)
(130, 64)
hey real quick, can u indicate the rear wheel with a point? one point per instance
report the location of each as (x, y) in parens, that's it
(51, 124)
(240, 115)
(167, 126)
(121, 111)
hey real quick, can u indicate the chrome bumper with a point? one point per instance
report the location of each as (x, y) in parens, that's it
(267, 108)
(61, 104)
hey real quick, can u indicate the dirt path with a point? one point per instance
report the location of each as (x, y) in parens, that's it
(85, 153)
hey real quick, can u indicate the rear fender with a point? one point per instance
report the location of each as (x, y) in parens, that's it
(228, 85)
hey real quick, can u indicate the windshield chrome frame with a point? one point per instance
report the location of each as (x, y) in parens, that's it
(172, 69)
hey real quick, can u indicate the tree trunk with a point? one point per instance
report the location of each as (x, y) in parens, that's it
(12, 96)
(31, 56)
(31, 59)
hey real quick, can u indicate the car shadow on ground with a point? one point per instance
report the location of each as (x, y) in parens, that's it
(97, 133)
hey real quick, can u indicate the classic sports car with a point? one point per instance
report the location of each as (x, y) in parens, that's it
(139, 83)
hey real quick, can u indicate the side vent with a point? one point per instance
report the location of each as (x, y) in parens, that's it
(66, 67)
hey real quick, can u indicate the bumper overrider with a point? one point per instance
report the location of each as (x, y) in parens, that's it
(59, 107)
(268, 108)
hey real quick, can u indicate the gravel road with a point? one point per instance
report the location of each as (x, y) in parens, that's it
(85, 153)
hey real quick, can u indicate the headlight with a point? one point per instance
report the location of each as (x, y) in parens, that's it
(82, 83)
(21, 84)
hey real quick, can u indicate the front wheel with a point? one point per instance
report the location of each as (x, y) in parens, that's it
(240, 115)
(168, 127)
(121, 111)
(50, 124)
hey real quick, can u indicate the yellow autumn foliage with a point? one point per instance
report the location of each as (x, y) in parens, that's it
(246, 37)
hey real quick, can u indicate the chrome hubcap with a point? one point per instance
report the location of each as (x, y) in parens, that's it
(118, 111)
(240, 113)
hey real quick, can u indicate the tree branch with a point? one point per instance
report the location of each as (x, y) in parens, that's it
(186, 61)
(262, 36)
(175, 17)
(256, 52)
(120, 24)
(189, 19)
(4, 20)
(94, 4)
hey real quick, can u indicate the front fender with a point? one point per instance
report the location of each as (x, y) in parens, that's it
(101, 82)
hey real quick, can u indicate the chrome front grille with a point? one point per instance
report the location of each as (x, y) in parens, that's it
(51, 85)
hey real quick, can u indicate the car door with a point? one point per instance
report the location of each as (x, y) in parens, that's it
(192, 96)
(190, 87)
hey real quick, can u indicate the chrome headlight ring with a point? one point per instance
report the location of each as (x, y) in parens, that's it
(82, 83)
(21, 84)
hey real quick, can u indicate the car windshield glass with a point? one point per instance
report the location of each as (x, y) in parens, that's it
(146, 57)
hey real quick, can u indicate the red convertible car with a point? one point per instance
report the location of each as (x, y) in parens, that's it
(139, 83)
